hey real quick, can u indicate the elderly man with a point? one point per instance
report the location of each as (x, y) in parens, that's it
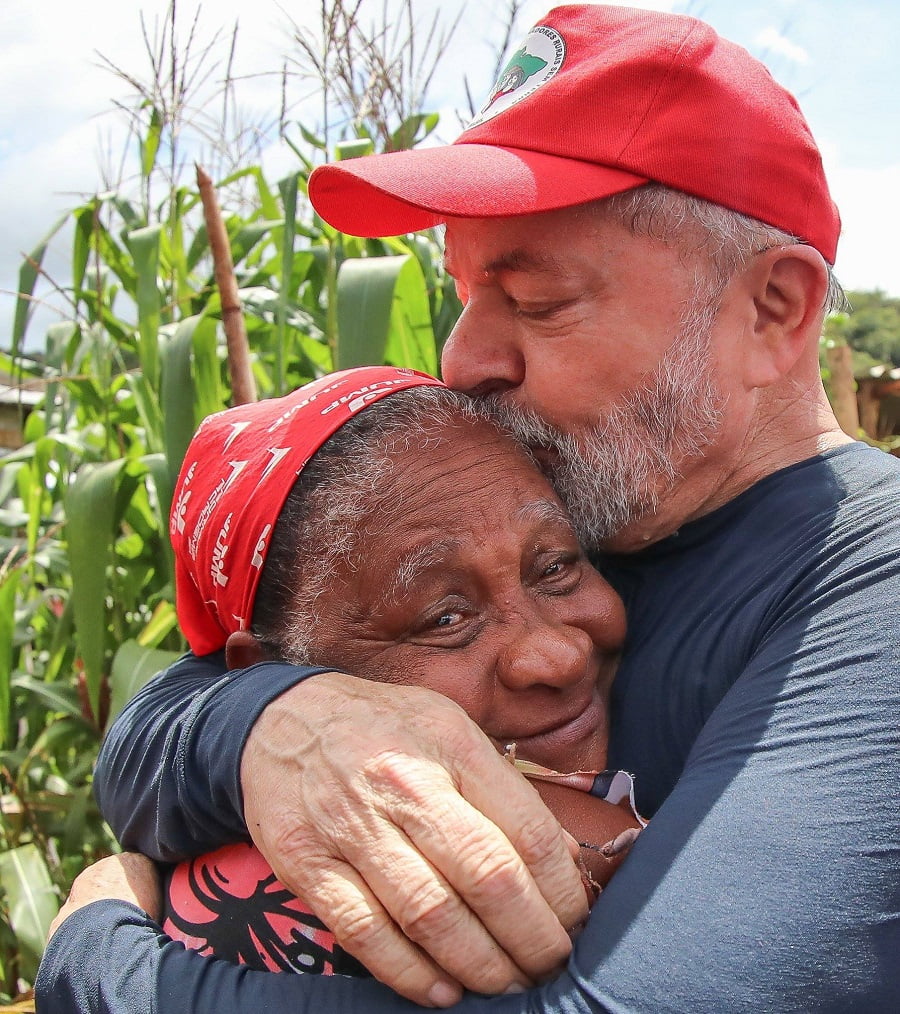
(641, 234)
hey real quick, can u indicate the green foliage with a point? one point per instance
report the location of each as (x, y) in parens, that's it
(86, 578)
(31, 902)
(871, 329)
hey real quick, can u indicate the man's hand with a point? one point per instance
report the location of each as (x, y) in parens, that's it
(428, 856)
(126, 877)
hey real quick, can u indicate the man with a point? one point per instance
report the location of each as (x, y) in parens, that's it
(641, 234)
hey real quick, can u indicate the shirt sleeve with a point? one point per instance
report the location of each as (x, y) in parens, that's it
(168, 774)
(109, 958)
(769, 879)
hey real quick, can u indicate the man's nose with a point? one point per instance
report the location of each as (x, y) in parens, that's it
(481, 356)
(547, 654)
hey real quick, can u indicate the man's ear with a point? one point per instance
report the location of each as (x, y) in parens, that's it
(788, 286)
(242, 650)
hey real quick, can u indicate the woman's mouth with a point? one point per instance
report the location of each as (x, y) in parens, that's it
(577, 742)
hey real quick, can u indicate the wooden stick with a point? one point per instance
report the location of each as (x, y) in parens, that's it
(240, 370)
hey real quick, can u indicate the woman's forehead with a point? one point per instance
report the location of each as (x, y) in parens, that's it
(416, 551)
(468, 460)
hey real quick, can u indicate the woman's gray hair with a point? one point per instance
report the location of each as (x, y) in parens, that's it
(323, 518)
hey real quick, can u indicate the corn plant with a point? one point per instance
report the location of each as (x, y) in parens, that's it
(86, 586)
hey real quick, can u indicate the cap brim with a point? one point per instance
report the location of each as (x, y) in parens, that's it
(405, 191)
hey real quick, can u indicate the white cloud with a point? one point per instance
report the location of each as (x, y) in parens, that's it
(772, 40)
(54, 91)
(870, 212)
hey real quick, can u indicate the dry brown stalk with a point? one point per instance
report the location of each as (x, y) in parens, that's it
(240, 370)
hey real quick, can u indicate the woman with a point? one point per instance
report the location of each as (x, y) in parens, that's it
(418, 545)
(378, 522)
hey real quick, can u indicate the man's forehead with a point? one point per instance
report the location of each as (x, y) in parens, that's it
(491, 258)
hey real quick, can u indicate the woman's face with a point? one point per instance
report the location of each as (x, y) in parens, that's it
(468, 579)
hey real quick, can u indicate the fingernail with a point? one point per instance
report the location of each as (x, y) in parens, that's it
(621, 842)
(444, 994)
(514, 987)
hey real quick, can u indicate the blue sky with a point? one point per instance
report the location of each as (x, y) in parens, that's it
(840, 58)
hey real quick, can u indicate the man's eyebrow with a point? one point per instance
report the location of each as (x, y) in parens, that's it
(522, 259)
(519, 259)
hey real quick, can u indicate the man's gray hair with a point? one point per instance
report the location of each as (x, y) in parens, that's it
(727, 238)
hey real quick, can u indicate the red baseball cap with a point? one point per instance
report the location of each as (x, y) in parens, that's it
(599, 100)
(237, 473)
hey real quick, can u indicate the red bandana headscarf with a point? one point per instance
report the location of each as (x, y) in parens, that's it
(236, 476)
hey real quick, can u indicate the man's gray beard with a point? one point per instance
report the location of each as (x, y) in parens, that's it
(620, 469)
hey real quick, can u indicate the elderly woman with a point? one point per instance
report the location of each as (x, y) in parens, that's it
(378, 522)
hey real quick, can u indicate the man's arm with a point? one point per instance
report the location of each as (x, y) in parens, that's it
(352, 794)
(770, 877)
(769, 880)
(168, 774)
(110, 958)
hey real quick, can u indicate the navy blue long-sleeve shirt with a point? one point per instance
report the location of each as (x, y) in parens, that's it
(757, 703)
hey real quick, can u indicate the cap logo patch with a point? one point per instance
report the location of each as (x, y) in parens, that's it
(535, 62)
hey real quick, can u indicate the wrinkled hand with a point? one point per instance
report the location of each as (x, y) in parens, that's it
(126, 877)
(428, 856)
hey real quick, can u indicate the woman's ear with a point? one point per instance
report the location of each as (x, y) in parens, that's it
(242, 650)
(788, 287)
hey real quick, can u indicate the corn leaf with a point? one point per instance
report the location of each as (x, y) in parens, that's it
(209, 394)
(353, 148)
(411, 337)
(31, 901)
(55, 696)
(144, 246)
(288, 190)
(81, 241)
(134, 665)
(146, 398)
(365, 297)
(163, 621)
(7, 629)
(178, 394)
(90, 512)
(150, 143)
(28, 276)
(383, 314)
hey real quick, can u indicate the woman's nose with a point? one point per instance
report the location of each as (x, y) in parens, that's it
(481, 355)
(546, 654)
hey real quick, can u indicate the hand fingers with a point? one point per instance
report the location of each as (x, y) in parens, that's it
(510, 868)
(396, 901)
(548, 851)
(362, 927)
(428, 911)
(441, 870)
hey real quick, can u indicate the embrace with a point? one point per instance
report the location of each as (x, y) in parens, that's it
(642, 237)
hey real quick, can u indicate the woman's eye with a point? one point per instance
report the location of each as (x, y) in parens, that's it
(446, 619)
(560, 574)
(447, 628)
